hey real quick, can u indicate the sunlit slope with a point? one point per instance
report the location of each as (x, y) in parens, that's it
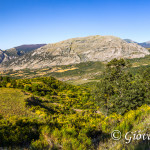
(76, 50)
(12, 103)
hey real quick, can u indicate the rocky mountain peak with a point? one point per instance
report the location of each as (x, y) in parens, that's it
(76, 50)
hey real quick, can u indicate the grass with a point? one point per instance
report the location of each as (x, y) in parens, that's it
(82, 81)
(12, 103)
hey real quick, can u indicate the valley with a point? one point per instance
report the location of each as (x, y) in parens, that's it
(73, 106)
(77, 73)
(74, 75)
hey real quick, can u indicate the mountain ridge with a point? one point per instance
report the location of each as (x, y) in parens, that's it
(144, 44)
(77, 50)
(14, 53)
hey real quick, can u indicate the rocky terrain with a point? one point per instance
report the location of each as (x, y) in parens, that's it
(3, 56)
(14, 53)
(76, 50)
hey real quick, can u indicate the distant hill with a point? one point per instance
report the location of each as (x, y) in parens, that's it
(28, 48)
(77, 50)
(14, 53)
(129, 41)
(144, 44)
(20, 50)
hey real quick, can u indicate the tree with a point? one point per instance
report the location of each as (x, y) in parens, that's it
(119, 91)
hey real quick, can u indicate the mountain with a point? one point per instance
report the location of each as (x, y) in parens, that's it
(129, 41)
(144, 44)
(3, 56)
(14, 53)
(76, 50)
(28, 48)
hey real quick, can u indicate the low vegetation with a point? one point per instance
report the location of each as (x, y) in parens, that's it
(45, 113)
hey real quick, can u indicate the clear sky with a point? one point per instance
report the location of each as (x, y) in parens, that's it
(49, 21)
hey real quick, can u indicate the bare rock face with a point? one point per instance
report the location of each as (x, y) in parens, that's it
(76, 50)
(1, 56)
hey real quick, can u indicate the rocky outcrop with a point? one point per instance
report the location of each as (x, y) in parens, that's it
(76, 50)
(14, 53)
(1, 56)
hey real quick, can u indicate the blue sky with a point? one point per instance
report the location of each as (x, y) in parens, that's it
(49, 21)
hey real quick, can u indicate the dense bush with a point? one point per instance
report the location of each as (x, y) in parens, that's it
(18, 132)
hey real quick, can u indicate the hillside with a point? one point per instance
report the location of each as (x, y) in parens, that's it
(45, 113)
(16, 52)
(28, 48)
(12, 103)
(144, 44)
(77, 50)
(130, 41)
(77, 74)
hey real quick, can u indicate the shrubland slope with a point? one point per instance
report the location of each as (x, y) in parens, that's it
(62, 116)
